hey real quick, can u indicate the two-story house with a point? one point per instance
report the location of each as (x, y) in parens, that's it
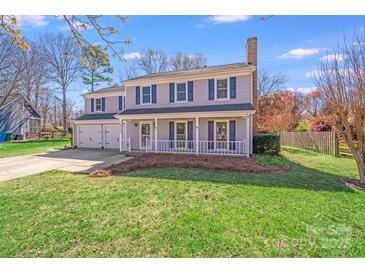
(203, 111)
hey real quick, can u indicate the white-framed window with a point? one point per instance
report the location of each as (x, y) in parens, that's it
(98, 104)
(221, 91)
(181, 92)
(146, 95)
(181, 134)
(221, 134)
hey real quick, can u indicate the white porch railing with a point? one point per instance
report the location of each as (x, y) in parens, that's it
(125, 145)
(204, 147)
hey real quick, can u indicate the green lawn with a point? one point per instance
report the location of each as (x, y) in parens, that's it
(17, 148)
(187, 213)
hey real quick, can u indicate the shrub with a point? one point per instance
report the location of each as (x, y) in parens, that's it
(266, 143)
(320, 124)
(302, 126)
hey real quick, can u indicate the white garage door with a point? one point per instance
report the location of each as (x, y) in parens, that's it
(90, 136)
(111, 133)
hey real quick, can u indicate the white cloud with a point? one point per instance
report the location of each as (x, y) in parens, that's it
(223, 19)
(332, 57)
(32, 20)
(131, 56)
(303, 90)
(300, 53)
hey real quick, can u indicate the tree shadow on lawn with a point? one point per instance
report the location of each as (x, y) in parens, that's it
(299, 177)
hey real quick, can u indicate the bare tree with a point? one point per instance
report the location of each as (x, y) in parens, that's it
(155, 61)
(269, 83)
(313, 102)
(341, 81)
(183, 61)
(63, 65)
(46, 101)
(152, 61)
(11, 67)
(33, 75)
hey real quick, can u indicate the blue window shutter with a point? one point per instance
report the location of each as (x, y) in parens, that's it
(171, 133)
(190, 91)
(211, 89)
(103, 104)
(138, 95)
(211, 134)
(232, 134)
(154, 95)
(123, 102)
(120, 102)
(232, 87)
(190, 134)
(172, 92)
(92, 104)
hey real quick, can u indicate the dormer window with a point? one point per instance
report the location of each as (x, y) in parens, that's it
(181, 92)
(98, 104)
(222, 89)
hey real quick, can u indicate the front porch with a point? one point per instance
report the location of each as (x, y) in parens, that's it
(218, 135)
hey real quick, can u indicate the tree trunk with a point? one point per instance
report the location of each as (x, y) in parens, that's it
(64, 110)
(360, 166)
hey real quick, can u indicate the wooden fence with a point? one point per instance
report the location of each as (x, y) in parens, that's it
(324, 142)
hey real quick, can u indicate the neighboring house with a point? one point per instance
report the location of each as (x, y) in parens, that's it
(18, 117)
(203, 111)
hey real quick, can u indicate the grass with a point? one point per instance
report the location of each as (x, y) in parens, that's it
(303, 212)
(17, 148)
(267, 160)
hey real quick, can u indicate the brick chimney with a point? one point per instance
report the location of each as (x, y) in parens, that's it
(251, 59)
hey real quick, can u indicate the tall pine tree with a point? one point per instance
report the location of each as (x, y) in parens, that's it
(97, 71)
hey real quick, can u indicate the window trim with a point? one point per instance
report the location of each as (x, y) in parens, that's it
(186, 92)
(216, 89)
(101, 104)
(186, 132)
(150, 102)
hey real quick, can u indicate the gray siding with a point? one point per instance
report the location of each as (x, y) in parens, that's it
(15, 120)
(243, 95)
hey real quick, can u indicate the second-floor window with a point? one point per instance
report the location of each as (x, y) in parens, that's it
(181, 92)
(146, 95)
(222, 89)
(98, 104)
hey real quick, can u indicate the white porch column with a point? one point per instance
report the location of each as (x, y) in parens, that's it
(196, 135)
(120, 135)
(156, 134)
(248, 140)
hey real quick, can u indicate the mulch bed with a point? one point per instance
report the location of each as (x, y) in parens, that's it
(211, 162)
(353, 183)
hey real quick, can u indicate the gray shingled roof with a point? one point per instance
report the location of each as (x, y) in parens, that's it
(96, 116)
(121, 88)
(207, 69)
(229, 107)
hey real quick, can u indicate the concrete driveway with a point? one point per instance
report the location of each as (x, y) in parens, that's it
(74, 160)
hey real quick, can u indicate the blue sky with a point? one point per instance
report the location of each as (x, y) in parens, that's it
(288, 44)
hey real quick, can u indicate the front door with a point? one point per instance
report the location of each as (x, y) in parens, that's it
(221, 136)
(181, 134)
(145, 134)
